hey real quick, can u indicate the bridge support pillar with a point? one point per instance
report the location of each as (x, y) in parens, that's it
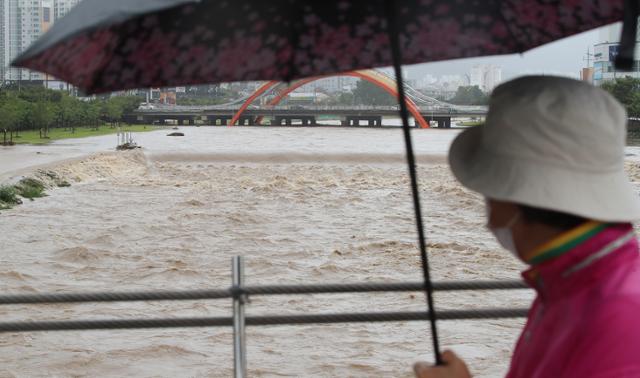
(308, 120)
(372, 121)
(246, 121)
(219, 120)
(443, 122)
(375, 121)
(288, 120)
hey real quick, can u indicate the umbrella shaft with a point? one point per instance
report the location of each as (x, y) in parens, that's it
(397, 61)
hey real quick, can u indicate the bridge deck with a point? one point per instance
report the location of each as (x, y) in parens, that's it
(271, 112)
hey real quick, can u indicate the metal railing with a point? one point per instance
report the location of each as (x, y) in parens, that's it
(479, 110)
(239, 293)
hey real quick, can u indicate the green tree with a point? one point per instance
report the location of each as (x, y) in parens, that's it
(114, 109)
(90, 114)
(470, 95)
(367, 93)
(67, 111)
(9, 118)
(344, 99)
(36, 108)
(627, 91)
(40, 116)
(35, 93)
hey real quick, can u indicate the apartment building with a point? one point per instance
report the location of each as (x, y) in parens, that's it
(22, 22)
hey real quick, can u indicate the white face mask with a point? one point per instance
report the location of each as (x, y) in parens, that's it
(503, 234)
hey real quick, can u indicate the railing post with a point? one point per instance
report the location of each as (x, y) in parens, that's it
(239, 341)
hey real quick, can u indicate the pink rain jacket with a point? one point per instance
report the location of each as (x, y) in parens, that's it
(585, 321)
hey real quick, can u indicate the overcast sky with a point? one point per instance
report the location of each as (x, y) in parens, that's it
(563, 57)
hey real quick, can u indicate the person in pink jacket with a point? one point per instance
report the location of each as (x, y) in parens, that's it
(550, 162)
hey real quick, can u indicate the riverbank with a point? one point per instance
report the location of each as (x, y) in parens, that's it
(33, 136)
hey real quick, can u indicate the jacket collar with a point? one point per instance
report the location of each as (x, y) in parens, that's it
(583, 262)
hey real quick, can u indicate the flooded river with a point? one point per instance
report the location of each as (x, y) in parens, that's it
(313, 205)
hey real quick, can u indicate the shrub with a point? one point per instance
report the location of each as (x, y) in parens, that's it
(8, 195)
(30, 188)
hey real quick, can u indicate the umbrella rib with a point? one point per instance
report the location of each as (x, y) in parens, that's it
(394, 40)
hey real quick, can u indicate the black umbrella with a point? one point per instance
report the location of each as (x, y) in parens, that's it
(112, 45)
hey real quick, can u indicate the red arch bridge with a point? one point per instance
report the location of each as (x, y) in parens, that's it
(265, 103)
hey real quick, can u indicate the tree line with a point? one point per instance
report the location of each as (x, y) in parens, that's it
(470, 95)
(627, 91)
(37, 108)
(367, 93)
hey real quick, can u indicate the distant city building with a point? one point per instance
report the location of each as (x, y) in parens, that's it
(452, 82)
(587, 75)
(485, 76)
(443, 87)
(47, 15)
(334, 84)
(62, 7)
(605, 52)
(21, 26)
(22, 22)
(427, 81)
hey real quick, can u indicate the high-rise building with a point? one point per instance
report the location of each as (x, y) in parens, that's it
(47, 15)
(333, 84)
(62, 7)
(22, 22)
(21, 26)
(485, 76)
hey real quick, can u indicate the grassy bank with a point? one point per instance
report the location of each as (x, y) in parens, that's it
(470, 123)
(33, 136)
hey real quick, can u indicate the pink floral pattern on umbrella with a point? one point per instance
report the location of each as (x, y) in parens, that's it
(222, 41)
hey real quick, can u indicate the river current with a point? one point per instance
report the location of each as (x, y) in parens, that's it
(312, 205)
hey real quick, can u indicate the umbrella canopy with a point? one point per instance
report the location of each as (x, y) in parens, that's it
(120, 44)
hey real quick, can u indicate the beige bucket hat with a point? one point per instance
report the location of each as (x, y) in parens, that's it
(553, 143)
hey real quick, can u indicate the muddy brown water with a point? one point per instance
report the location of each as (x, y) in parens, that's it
(303, 206)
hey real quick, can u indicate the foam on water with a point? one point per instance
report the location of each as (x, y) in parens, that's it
(170, 217)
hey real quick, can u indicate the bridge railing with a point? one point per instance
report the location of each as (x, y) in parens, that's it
(307, 108)
(239, 293)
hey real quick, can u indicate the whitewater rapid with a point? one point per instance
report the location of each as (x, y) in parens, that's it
(312, 205)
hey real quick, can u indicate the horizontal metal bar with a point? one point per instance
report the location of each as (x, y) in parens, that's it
(114, 297)
(255, 291)
(259, 320)
(381, 287)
